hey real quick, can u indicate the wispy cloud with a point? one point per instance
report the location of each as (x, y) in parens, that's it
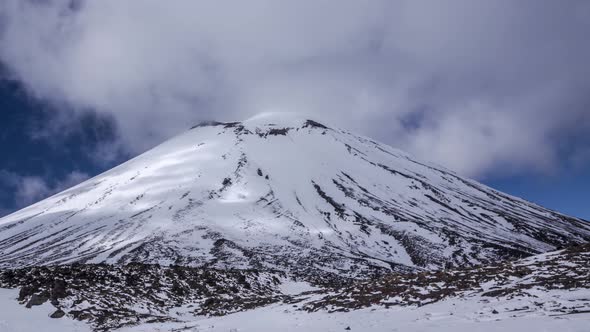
(27, 190)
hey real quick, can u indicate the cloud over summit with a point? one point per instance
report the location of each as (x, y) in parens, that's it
(479, 86)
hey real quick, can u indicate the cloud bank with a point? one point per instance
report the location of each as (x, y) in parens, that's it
(482, 87)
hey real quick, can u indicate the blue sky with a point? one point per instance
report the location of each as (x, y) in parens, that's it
(43, 158)
(566, 193)
(498, 91)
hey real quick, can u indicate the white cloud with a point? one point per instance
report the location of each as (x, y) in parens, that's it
(469, 84)
(30, 189)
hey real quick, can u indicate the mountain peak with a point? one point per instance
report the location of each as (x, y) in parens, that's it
(279, 119)
(270, 121)
(281, 190)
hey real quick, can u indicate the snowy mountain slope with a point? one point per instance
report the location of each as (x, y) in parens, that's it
(282, 192)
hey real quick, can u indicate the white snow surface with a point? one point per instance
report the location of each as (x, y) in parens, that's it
(17, 318)
(276, 190)
(452, 315)
(455, 314)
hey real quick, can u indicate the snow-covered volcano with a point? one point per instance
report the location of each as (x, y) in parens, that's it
(281, 192)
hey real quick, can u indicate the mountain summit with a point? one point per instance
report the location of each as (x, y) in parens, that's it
(282, 192)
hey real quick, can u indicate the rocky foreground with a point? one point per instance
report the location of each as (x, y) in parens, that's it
(109, 297)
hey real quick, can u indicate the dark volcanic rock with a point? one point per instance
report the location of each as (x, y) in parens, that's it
(114, 292)
(37, 299)
(58, 314)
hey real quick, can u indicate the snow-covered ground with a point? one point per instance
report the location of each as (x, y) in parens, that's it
(466, 314)
(17, 318)
(456, 315)
(548, 292)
